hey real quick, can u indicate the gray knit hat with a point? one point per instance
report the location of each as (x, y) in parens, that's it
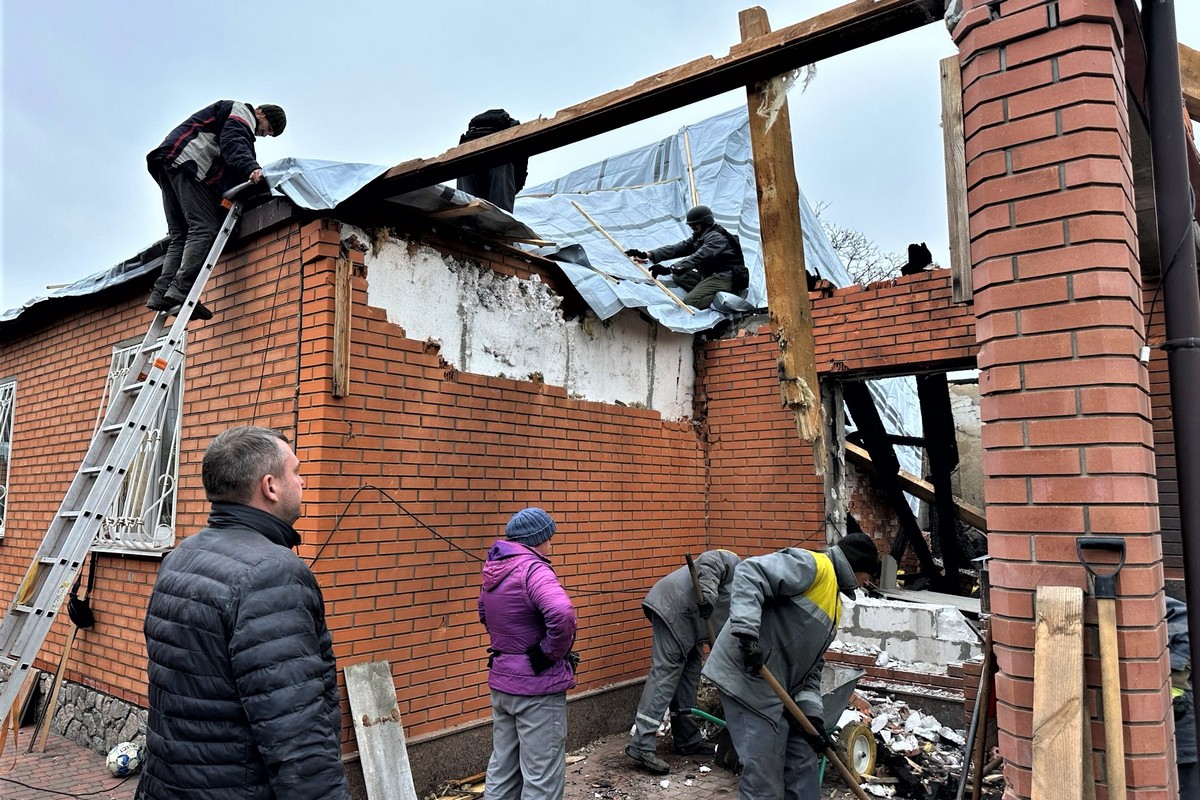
(530, 526)
(275, 116)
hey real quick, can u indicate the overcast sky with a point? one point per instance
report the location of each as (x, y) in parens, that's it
(90, 87)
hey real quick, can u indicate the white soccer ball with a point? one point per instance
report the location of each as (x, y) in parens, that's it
(124, 759)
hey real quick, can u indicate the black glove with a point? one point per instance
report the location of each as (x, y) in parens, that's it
(634, 253)
(706, 609)
(538, 660)
(819, 742)
(659, 269)
(572, 659)
(752, 654)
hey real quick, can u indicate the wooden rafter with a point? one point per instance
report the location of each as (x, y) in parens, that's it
(836, 31)
(1189, 77)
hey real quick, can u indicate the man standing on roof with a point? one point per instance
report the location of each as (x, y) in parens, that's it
(243, 685)
(678, 621)
(784, 613)
(714, 260)
(531, 627)
(208, 153)
(499, 184)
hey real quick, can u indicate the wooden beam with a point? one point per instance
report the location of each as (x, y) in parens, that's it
(970, 514)
(941, 448)
(1189, 77)
(343, 322)
(835, 472)
(837, 31)
(783, 249)
(1059, 761)
(954, 149)
(382, 751)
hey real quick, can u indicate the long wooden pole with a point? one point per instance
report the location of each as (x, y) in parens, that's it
(798, 715)
(645, 271)
(687, 151)
(712, 634)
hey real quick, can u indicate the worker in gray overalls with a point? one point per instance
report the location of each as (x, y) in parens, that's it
(679, 622)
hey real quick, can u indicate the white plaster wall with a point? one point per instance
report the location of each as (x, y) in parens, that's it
(493, 324)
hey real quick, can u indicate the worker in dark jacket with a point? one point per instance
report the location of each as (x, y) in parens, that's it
(243, 686)
(1183, 700)
(531, 627)
(678, 620)
(714, 260)
(499, 184)
(784, 612)
(208, 153)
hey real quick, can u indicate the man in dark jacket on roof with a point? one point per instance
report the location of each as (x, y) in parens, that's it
(714, 260)
(680, 627)
(499, 184)
(243, 685)
(531, 627)
(784, 612)
(205, 155)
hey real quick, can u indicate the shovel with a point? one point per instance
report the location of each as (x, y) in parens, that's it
(798, 715)
(712, 635)
(1104, 589)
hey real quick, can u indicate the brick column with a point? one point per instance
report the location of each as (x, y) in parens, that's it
(1067, 436)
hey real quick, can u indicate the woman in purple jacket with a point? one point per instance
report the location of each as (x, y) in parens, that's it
(531, 625)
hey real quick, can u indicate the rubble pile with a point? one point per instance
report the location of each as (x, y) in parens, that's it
(916, 756)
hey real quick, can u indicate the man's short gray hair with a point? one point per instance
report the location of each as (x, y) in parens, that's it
(237, 460)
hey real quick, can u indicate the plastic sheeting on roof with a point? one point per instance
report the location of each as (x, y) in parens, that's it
(641, 197)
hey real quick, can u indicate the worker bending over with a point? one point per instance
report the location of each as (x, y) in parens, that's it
(714, 260)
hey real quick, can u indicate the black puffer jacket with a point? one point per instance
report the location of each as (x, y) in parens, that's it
(243, 685)
(710, 252)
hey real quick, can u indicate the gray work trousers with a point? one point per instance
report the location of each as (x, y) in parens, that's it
(674, 676)
(194, 216)
(777, 763)
(529, 747)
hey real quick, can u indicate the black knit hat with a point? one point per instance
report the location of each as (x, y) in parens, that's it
(860, 551)
(275, 116)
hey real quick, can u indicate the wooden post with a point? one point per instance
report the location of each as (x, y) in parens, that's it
(783, 252)
(954, 145)
(835, 472)
(343, 319)
(1059, 761)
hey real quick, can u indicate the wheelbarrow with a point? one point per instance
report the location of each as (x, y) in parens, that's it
(855, 742)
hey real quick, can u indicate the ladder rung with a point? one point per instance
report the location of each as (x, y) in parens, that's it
(133, 388)
(69, 514)
(91, 470)
(48, 560)
(115, 427)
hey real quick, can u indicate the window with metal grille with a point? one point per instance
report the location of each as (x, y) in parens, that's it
(8, 394)
(142, 518)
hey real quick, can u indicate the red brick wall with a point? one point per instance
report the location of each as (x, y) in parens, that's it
(1067, 435)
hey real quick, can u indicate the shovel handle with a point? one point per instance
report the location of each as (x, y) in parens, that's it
(798, 715)
(1104, 583)
(712, 634)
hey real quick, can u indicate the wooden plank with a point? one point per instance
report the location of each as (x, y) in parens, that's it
(954, 150)
(1189, 78)
(970, 514)
(381, 749)
(837, 31)
(343, 322)
(1058, 710)
(783, 250)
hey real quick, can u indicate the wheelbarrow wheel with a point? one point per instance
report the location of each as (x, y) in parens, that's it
(856, 747)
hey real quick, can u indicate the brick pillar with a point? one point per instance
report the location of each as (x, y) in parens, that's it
(1067, 436)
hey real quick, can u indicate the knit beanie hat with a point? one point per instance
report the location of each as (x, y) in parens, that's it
(530, 526)
(860, 551)
(275, 116)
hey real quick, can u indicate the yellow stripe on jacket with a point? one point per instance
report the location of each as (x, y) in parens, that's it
(824, 590)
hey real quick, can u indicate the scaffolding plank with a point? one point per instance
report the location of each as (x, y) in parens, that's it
(1058, 712)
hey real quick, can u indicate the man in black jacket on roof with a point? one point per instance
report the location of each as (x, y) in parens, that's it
(243, 685)
(207, 154)
(714, 260)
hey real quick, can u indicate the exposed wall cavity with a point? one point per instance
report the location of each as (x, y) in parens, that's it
(493, 324)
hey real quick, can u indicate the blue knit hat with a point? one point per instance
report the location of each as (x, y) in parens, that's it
(530, 526)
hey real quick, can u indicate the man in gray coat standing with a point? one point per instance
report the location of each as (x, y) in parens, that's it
(784, 613)
(678, 621)
(243, 685)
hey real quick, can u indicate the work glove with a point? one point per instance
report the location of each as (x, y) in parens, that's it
(818, 742)
(706, 609)
(538, 660)
(752, 654)
(634, 253)
(572, 659)
(658, 269)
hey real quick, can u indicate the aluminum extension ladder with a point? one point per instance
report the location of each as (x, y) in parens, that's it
(98, 482)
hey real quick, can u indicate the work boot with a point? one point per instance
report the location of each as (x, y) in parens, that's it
(200, 312)
(157, 302)
(696, 748)
(648, 759)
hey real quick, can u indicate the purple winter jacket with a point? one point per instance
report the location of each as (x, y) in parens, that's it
(522, 604)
